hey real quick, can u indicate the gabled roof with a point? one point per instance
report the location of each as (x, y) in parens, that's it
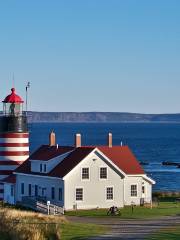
(122, 157)
(46, 152)
(71, 161)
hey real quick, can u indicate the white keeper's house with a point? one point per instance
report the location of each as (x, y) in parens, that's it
(80, 177)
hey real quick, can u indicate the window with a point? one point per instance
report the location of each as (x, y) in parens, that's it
(109, 193)
(12, 190)
(143, 189)
(43, 192)
(41, 167)
(36, 191)
(103, 173)
(44, 167)
(53, 193)
(85, 173)
(29, 189)
(79, 194)
(22, 188)
(60, 194)
(133, 190)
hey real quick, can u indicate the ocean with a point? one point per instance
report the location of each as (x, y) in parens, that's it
(150, 142)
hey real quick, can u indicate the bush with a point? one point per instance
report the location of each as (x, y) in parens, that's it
(23, 225)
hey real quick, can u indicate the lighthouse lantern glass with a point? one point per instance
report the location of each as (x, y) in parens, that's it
(13, 109)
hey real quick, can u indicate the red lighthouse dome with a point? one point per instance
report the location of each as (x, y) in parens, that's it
(13, 97)
(14, 137)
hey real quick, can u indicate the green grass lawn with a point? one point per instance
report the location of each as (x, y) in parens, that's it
(164, 209)
(172, 233)
(80, 231)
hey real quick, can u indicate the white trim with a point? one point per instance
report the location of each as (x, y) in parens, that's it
(53, 199)
(99, 173)
(91, 153)
(148, 179)
(76, 201)
(22, 194)
(111, 162)
(41, 168)
(55, 158)
(88, 156)
(86, 179)
(134, 184)
(109, 200)
(32, 175)
(45, 168)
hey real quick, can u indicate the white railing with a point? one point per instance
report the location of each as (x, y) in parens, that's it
(41, 206)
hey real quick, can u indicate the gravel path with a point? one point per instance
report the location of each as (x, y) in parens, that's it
(128, 229)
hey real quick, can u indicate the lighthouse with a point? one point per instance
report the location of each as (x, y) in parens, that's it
(14, 136)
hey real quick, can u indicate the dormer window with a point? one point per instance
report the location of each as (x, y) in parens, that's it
(40, 167)
(43, 168)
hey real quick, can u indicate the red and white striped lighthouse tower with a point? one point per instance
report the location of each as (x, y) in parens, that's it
(14, 136)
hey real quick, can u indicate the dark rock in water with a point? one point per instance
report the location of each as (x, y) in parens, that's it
(144, 163)
(170, 164)
(178, 166)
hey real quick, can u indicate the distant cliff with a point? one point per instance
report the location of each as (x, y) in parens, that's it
(100, 117)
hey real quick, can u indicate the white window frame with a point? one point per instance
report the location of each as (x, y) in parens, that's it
(12, 190)
(43, 191)
(61, 194)
(109, 200)
(40, 167)
(54, 193)
(144, 189)
(136, 191)
(86, 179)
(103, 179)
(29, 184)
(45, 168)
(82, 194)
(22, 194)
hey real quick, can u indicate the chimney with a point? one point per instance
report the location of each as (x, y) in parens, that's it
(78, 140)
(52, 139)
(110, 140)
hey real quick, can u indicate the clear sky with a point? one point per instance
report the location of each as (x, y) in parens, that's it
(92, 55)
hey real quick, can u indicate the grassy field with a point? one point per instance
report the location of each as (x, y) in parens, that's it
(172, 233)
(163, 209)
(18, 224)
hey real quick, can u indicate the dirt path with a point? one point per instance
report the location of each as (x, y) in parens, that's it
(128, 229)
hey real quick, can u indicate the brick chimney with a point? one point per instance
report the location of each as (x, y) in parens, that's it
(110, 140)
(52, 139)
(78, 140)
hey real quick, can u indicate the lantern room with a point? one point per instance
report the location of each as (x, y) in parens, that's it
(13, 104)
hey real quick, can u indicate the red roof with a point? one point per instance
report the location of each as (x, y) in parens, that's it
(10, 179)
(122, 157)
(13, 97)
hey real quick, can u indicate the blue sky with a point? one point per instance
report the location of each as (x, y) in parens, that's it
(92, 55)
